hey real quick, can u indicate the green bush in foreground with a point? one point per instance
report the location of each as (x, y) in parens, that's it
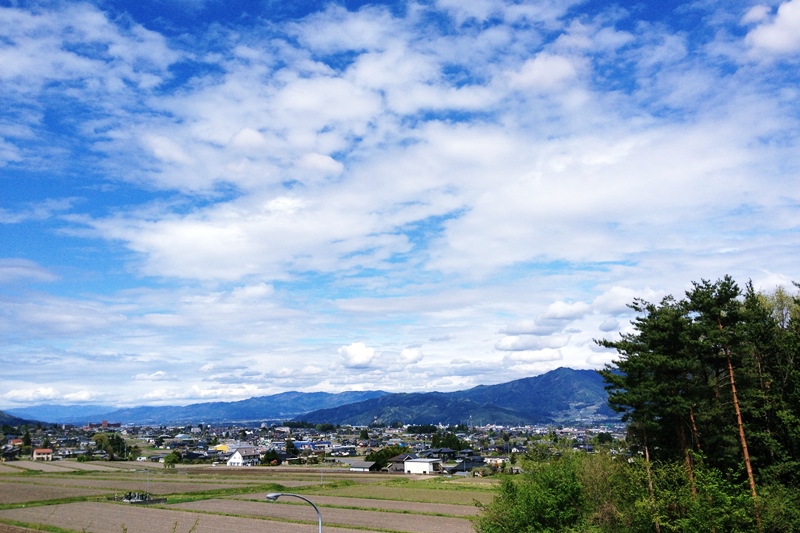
(603, 493)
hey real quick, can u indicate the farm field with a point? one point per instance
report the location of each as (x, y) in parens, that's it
(202, 499)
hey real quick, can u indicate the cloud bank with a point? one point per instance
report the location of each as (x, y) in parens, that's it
(200, 206)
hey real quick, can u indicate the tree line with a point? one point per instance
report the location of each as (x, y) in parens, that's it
(709, 387)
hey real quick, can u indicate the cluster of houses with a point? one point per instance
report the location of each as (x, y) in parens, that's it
(491, 447)
(13, 448)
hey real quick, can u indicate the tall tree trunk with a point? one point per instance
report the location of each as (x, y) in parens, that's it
(688, 460)
(742, 438)
(695, 433)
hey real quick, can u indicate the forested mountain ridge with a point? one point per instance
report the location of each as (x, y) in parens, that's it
(11, 420)
(285, 405)
(560, 395)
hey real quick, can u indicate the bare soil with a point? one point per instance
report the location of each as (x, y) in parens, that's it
(373, 503)
(28, 492)
(119, 518)
(384, 505)
(333, 516)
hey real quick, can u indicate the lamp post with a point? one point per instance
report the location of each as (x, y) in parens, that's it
(273, 496)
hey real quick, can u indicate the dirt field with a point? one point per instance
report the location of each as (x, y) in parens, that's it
(119, 518)
(383, 505)
(11, 492)
(348, 502)
(335, 517)
(94, 467)
(42, 466)
(411, 493)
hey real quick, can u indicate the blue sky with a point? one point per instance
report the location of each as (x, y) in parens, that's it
(203, 202)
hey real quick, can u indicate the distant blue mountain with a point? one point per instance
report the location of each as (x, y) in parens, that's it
(71, 414)
(284, 406)
(560, 396)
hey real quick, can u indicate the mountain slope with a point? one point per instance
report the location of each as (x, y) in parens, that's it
(62, 413)
(285, 405)
(557, 396)
(417, 408)
(10, 420)
(275, 407)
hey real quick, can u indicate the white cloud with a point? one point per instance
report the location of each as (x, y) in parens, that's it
(757, 13)
(523, 357)
(544, 72)
(529, 327)
(615, 300)
(167, 150)
(568, 311)
(158, 375)
(528, 342)
(609, 324)
(40, 211)
(409, 356)
(51, 45)
(779, 34)
(31, 395)
(252, 292)
(337, 29)
(81, 396)
(14, 269)
(496, 188)
(357, 355)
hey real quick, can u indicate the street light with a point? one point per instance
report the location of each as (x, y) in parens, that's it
(273, 496)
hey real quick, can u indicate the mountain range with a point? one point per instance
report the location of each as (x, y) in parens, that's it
(560, 396)
(7, 419)
(283, 406)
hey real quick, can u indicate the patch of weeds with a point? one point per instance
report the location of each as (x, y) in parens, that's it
(38, 527)
(216, 493)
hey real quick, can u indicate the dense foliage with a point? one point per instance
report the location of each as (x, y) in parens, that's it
(446, 439)
(578, 492)
(710, 389)
(382, 456)
(714, 373)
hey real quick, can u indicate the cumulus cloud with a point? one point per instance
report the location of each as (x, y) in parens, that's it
(501, 184)
(81, 396)
(545, 72)
(779, 33)
(48, 47)
(529, 327)
(35, 394)
(357, 355)
(410, 356)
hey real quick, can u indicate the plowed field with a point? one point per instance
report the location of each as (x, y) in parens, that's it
(83, 502)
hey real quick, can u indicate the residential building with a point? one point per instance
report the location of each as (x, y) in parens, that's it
(244, 456)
